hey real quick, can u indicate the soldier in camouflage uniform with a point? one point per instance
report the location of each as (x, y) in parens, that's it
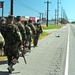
(22, 29)
(2, 30)
(28, 34)
(33, 29)
(3, 26)
(12, 42)
(30, 24)
(38, 32)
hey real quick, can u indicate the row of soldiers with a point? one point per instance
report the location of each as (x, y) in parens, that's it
(17, 35)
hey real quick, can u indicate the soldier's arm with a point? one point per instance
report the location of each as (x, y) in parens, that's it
(18, 34)
(23, 31)
(41, 30)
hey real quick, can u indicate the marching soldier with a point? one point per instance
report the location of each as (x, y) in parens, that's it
(28, 34)
(38, 32)
(2, 30)
(31, 26)
(33, 29)
(12, 42)
(20, 26)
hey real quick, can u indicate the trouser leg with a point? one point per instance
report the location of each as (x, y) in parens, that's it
(9, 57)
(36, 40)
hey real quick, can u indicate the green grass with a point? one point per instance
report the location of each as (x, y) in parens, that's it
(2, 58)
(51, 27)
(44, 34)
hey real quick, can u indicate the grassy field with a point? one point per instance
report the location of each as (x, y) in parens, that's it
(2, 58)
(44, 34)
(51, 27)
(1, 55)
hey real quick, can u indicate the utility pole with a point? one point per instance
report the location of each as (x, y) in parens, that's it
(11, 7)
(47, 10)
(2, 6)
(57, 12)
(55, 16)
(41, 14)
(61, 14)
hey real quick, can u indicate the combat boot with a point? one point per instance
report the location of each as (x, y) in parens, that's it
(10, 68)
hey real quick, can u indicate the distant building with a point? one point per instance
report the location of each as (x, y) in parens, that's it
(32, 18)
(26, 17)
(43, 19)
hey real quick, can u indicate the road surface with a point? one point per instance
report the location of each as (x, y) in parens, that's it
(54, 55)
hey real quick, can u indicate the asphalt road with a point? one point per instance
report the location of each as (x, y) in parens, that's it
(72, 51)
(54, 55)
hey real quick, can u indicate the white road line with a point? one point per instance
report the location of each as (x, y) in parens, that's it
(67, 54)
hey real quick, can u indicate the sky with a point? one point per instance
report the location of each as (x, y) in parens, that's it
(34, 7)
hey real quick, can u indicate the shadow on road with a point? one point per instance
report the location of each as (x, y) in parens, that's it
(3, 62)
(4, 73)
(7, 73)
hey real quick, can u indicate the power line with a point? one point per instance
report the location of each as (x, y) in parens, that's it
(55, 16)
(27, 2)
(22, 4)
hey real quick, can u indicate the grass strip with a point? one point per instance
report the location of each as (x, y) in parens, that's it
(2, 58)
(51, 27)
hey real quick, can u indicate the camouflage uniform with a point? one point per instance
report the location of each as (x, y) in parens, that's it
(3, 27)
(12, 41)
(21, 28)
(38, 32)
(3, 32)
(28, 34)
(33, 29)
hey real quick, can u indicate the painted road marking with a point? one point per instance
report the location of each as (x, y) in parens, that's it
(67, 54)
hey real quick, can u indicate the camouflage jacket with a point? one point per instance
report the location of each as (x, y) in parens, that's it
(3, 30)
(13, 35)
(38, 28)
(22, 29)
(28, 30)
(32, 28)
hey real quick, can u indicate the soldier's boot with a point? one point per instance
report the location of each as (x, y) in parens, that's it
(10, 68)
(29, 49)
(35, 44)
